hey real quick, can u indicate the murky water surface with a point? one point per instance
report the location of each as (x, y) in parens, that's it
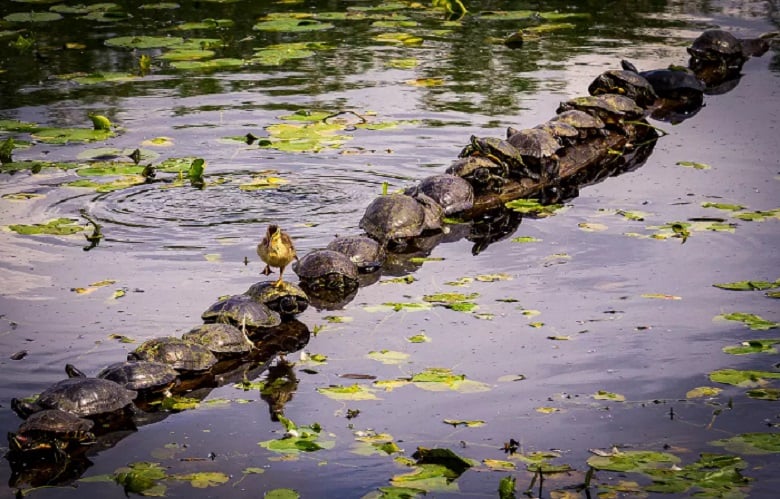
(173, 249)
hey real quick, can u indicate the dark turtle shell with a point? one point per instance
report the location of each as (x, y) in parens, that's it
(223, 340)
(612, 109)
(395, 216)
(566, 134)
(534, 143)
(42, 429)
(184, 356)
(286, 298)
(716, 45)
(365, 252)
(453, 193)
(483, 173)
(626, 83)
(141, 376)
(243, 312)
(675, 83)
(83, 397)
(327, 269)
(586, 123)
(501, 152)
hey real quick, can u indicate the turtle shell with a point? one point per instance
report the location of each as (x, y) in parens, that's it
(610, 108)
(223, 340)
(481, 172)
(566, 134)
(626, 83)
(134, 375)
(395, 216)
(453, 193)
(328, 269)
(38, 431)
(243, 312)
(580, 120)
(286, 298)
(86, 396)
(673, 83)
(716, 45)
(365, 252)
(534, 143)
(179, 354)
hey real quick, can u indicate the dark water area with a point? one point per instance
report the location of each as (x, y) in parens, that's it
(595, 304)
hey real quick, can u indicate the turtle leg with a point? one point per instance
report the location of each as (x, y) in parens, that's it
(266, 270)
(279, 281)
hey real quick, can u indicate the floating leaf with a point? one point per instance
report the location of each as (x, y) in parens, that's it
(203, 479)
(281, 494)
(493, 277)
(547, 410)
(498, 465)
(636, 461)
(751, 443)
(388, 356)
(464, 422)
(428, 478)
(263, 183)
(32, 17)
(764, 394)
(605, 395)
(748, 285)
(723, 206)
(418, 338)
(352, 392)
(753, 346)
(56, 227)
(592, 227)
(298, 439)
(442, 379)
(143, 42)
(66, 135)
(752, 321)
(758, 216)
(532, 206)
(526, 239)
(176, 403)
(661, 296)
(703, 391)
(742, 378)
(141, 478)
(694, 164)
(291, 24)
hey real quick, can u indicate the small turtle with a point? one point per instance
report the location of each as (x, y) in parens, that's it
(675, 83)
(627, 83)
(365, 252)
(327, 270)
(244, 312)
(51, 429)
(538, 149)
(84, 397)
(287, 299)
(587, 124)
(393, 218)
(718, 47)
(223, 340)
(565, 134)
(612, 109)
(142, 376)
(453, 193)
(502, 153)
(484, 174)
(184, 356)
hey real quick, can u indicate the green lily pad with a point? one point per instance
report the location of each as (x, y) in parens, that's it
(352, 392)
(605, 395)
(441, 379)
(372, 443)
(281, 494)
(187, 54)
(18, 126)
(633, 461)
(403, 63)
(474, 423)
(703, 391)
(142, 478)
(299, 439)
(205, 24)
(745, 378)
(114, 185)
(748, 285)
(751, 443)
(291, 24)
(526, 239)
(753, 346)
(752, 321)
(33, 17)
(723, 206)
(533, 206)
(394, 492)
(143, 42)
(694, 164)
(56, 227)
(99, 77)
(66, 135)
(713, 475)
(177, 403)
(203, 479)
(418, 338)
(388, 356)
(210, 64)
(428, 478)
(764, 394)
(757, 216)
(159, 6)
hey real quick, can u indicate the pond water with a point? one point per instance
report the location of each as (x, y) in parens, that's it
(593, 305)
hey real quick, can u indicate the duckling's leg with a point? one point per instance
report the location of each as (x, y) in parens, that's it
(266, 270)
(279, 281)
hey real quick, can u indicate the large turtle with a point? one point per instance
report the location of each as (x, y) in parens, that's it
(244, 312)
(716, 47)
(612, 109)
(327, 270)
(394, 218)
(223, 340)
(367, 254)
(51, 430)
(502, 153)
(483, 173)
(84, 397)
(564, 133)
(627, 83)
(144, 377)
(286, 299)
(184, 356)
(675, 83)
(453, 193)
(587, 124)
(538, 149)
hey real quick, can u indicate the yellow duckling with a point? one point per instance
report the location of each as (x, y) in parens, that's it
(276, 250)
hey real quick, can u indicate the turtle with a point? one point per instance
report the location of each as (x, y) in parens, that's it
(587, 124)
(51, 430)
(287, 299)
(453, 193)
(564, 133)
(223, 340)
(184, 356)
(142, 376)
(84, 397)
(538, 149)
(483, 173)
(716, 47)
(393, 218)
(627, 83)
(327, 270)
(675, 83)
(612, 109)
(367, 254)
(502, 153)
(242, 311)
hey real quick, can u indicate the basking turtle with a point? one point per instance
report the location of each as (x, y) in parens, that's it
(287, 299)
(84, 397)
(538, 149)
(675, 83)
(484, 174)
(51, 429)
(612, 109)
(626, 83)
(242, 311)
(327, 270)
(393, 218)
(365, 252)
(223, 340)
(453, 193)
(142, 376)
(184, 356)
(716, 47)
(564, 133)
(587, 124)
(502, 153)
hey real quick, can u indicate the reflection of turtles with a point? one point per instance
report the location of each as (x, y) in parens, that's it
(367, 254)
(286, 299)
(142, 376)
(184, 356)
(397, 217)
(538, 149)
(453, 193)
(51, 430)
(587, 124)
(84, 397)
(628, 83)
(242, 311)
(223, 340)
(612, 109)
(492, 227)
(327, 270)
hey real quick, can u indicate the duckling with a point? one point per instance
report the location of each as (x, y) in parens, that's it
(276, 250)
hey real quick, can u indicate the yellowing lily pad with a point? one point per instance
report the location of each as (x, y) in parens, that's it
(744, 378)
(633, 460)
(56, 227)
(143, 42)
(748, 285)
(751, 443)
(388, 356)
(442, 379)
(352, 392)
(203, 479)
(605, 395)
(703, 391)
(694, 164)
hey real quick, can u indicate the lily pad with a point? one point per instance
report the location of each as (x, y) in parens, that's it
(203, 479)
(748, 285)
(753, 346)
(745, 378)
(694, 164)
(66, 135)
(752, 321)
(703, 391)
(224, 63)
(632, 460)
(143, 42)
(442, 379)
(751, 443)
(605, 395)
(352, 392)
(764, 394)
(533, 206)
(33, 17)
(291, 24)
(56, 227)
(388, 356)
(299, 439)
(142, 478)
